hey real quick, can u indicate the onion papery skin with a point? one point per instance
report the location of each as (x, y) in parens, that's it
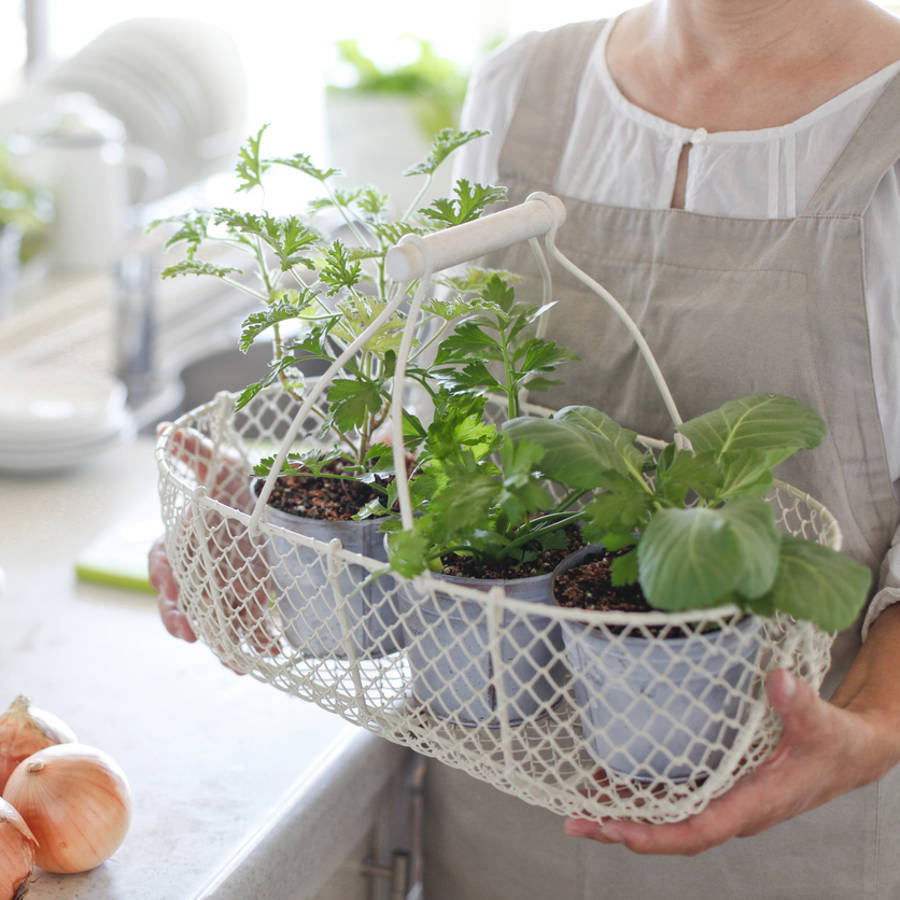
(25, 729)
(17, 846)
(77, 802)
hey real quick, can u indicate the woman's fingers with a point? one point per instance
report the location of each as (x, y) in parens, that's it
(163, 581)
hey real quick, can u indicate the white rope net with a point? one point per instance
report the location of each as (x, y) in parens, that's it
(644, 716)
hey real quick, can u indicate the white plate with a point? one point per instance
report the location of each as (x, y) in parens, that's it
(58, 405)
(55, 457)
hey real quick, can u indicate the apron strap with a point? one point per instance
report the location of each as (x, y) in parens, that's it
(541, 122)
(850, 184)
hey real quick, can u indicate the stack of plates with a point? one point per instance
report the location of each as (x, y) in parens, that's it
(52, 419)
(177, 85)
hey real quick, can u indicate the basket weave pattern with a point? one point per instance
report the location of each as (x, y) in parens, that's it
(642, 716)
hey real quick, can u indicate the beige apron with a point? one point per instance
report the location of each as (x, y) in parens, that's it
(730, 307)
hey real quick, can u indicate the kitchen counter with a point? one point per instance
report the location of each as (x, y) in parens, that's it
(239, 791)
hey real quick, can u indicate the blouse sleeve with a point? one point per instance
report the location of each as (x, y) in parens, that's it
(881, 230)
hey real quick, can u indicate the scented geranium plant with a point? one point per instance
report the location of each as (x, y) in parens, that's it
(318, 291)
(691, 518)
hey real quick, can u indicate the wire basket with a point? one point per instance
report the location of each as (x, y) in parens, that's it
(642, 716)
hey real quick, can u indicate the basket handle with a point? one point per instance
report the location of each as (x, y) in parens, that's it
(417, 257)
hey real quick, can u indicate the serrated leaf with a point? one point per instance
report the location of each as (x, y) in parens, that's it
(250, 168)
(293, 305)
(817, 584)
(442, 145)
(350, 402)
(198, 267)
(688, 559)
(302, 163)
(624, 569)
(467, 203)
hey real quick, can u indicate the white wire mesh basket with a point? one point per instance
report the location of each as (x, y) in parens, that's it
(644, 716)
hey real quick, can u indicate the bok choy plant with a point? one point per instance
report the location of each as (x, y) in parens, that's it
(697, 523)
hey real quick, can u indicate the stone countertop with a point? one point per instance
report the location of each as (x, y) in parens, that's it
(213, 759)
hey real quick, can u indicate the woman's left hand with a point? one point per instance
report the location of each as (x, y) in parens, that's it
(825, 750)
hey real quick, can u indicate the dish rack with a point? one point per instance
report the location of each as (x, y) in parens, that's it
(492, 678)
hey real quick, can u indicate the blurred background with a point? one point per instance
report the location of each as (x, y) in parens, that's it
(113, 115)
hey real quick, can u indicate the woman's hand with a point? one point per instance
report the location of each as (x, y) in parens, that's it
(826, 749)
(240, 566)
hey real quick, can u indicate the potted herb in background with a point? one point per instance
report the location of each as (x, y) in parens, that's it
(484, 516)
(384, 114)
(683, 528)
(24, 211)
(318, 294)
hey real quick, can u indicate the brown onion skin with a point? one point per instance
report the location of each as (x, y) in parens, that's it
(25, 729)
(76, 800)
(16, 853)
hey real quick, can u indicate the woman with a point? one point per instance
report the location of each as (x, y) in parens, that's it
(730, 172)
(729, 169)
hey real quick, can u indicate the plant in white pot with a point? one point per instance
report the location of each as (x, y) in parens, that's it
(685, 529)
(328, 299)
(484, 517)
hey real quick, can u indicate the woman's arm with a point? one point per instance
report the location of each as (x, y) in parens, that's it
(827, 749)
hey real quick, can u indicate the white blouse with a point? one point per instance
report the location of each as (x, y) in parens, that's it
(619, 154)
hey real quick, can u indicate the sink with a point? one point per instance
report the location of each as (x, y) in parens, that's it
(226, 368)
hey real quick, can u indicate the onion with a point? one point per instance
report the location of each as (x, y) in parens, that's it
(17, 846)
(25, 729)
(76, 800)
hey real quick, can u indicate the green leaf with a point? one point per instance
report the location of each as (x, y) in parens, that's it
(468, 202)
(293, 305)
(753, 522)
(350, 401)
(250, 168)
(688, 559)
(817, 584)
(767, 422)
(624, 569)
(685, 472)
(466, 342)
(340, 270)
(442, 145)
(198, 267)
(619, 511)
(582, 446)
(193, 230)
(538, 355)
(301, 162)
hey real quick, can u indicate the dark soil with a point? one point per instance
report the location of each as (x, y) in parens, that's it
(589, 586)
(321, 497)
(544, 562)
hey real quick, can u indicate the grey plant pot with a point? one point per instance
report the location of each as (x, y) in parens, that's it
(448, 648)
(312, 609)
(660, 708)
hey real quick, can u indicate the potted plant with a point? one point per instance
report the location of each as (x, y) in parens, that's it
(684, 529)
(484, 517)
(378, 114)
(24, 210)
(328, 298)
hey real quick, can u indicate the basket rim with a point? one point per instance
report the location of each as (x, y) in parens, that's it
(492, 595)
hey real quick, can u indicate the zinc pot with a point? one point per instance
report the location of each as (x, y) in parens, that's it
(659, 708)
(449, 653)
(326, 617)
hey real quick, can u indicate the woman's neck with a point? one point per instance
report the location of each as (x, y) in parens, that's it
(735, 65)
(722, 33)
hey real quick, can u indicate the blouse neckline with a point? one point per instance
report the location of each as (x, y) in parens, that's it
(670, 129)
